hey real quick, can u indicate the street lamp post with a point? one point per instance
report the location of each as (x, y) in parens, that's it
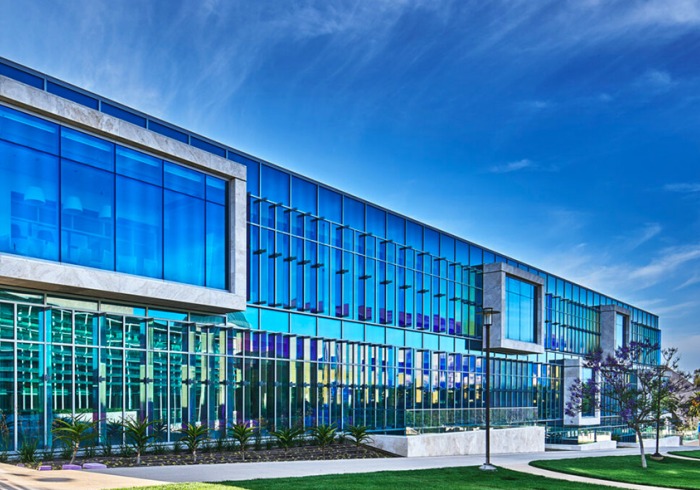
(657, 454)
(487, 315)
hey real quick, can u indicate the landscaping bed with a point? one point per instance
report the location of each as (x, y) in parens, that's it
(344, 450)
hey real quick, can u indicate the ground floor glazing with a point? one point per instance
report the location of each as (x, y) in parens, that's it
(116, 362)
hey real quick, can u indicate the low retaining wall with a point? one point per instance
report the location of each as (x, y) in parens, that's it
(593, 446)
(513, 440)
(651, 443)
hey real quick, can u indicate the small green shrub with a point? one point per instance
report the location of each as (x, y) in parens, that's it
(286, 438)
(73, 432)
(324, 434)
(220, 444)
(194, 437)
(106, 449)
(138, 435)
(242, 434)
(28, 451)
(359, 434)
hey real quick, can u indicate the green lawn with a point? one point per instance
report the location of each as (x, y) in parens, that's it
(687, 454)
(670, 472)
(437, 479)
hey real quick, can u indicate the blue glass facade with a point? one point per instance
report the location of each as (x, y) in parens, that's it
(355, 315)
(74, 198)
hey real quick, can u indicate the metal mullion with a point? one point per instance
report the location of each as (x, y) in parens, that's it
(14, 380)
(168, 356)
(72, 360)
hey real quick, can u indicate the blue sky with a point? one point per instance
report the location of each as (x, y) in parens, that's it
(564, 134)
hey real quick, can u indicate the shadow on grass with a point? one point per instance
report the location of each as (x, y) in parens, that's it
(467, 478)
(669, 472)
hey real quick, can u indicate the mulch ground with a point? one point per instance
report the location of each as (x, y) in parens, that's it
(301, 453)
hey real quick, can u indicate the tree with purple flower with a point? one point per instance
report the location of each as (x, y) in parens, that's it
(636, 391)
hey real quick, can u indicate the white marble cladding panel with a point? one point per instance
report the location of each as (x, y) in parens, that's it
(64, 111)
(668, 441)
(238, 249)
(592, 446)
(573, 370)
(512, 440)
(608, 332)
(54, 276)
(494, 282)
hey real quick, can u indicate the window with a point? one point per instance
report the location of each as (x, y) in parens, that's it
(588, 401)
(105, 206)
(520, 310)
(620, 330)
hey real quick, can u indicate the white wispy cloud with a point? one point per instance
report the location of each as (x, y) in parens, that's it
(684, 187)
(667, 13)
(668, 261)
(691, 281)
(535, 105)
(603, 270)
(523, 164)
(642, 236)
(656, 81)
(676, 310)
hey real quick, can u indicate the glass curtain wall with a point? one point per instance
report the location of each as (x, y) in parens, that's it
(71, 197)
(59, 361)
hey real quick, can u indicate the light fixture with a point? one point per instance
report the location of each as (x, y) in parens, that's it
(35, 195)
(106, 212)
(487, 320)
(73, 205)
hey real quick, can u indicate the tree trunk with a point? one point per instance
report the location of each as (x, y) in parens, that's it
(641, 448)
(138, 458)
(194, 455)
(74, 455)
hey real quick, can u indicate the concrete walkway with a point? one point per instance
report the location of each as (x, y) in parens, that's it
(249, 471)
(14, 478)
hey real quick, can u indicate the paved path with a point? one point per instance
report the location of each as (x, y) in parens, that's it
(14, 478)
(249, 471)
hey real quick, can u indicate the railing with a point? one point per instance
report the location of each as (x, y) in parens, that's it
(621, 433)
(451, 419)
(585, 435)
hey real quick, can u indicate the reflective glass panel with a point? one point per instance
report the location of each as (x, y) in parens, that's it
(620, 330)
(376, 221)
(304, 195)
(353, 213)
(139, 228)
(27, 130)
(520, 310)
(275, 185)
(183, 239)
(216, 190)
(397, 229)
(87, 219)
(182, 179)
(216, 246)
(29, 197)
(83, 148)
(139, 166)
(330, 205)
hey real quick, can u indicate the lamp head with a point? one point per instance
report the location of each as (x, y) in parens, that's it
(487, 314)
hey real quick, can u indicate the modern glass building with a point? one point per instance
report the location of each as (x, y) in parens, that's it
(149, 271)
